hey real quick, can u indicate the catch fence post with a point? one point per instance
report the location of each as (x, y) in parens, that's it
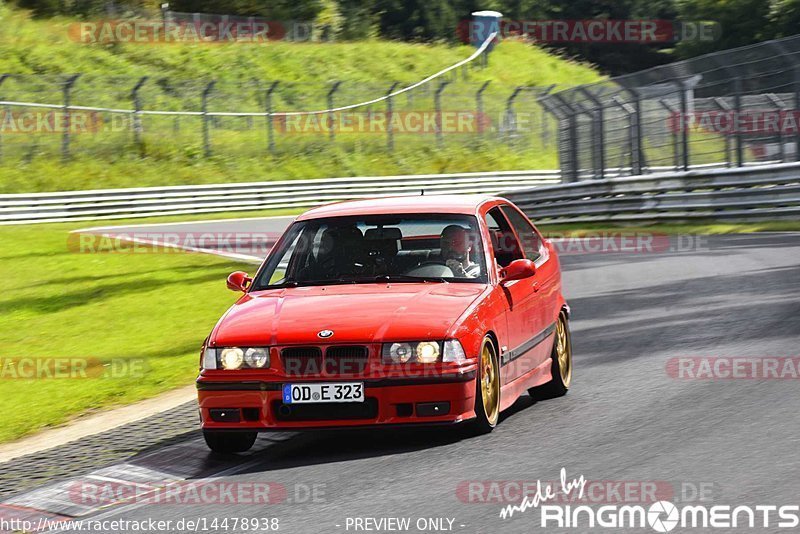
(65, 136)
(389, 112)
(331, 127)
(479, 105)
(437, 105)
(206, 132)
(137, 117)
(269, 117)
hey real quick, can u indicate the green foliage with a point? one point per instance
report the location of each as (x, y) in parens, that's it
(177, 74)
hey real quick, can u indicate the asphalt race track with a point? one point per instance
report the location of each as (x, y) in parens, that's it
(627, 422)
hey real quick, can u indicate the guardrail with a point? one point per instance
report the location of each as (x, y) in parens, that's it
(179, 200)
(762, 192)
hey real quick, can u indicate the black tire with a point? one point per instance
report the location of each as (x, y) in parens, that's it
(559, 381)
(229, 442)
(485, 422)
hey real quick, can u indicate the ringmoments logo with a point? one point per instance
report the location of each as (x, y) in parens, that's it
(661, 516)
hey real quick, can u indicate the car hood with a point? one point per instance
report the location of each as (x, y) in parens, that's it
(354, 312)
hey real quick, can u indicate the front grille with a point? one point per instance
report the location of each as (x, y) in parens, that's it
(299, 361)
(346, 359)
(327, 411)
(338, 360)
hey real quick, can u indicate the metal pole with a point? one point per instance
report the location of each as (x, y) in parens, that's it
(545, 125)
(638, 152)
(737, 108)
(437, 105)
(509, 117)
(675, 145)
(722, 105)
(781, 107)
(334, 88)
(65, 137)
(684, 128)
(3, 78)
(270, 126)
(572, 140)
(797, 111)
(598, 120)
(479, 105)
(389, 112)
(137, 117)
(206, 133)
(630, 112)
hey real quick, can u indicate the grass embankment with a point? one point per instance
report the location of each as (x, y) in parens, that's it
(147, 313)
(43, 51)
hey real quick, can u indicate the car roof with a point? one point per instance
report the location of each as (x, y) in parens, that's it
(465, 204)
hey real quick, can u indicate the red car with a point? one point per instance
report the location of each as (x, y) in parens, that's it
(393, 311)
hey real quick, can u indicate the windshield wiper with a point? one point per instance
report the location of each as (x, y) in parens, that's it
(407, 278)
(356, 280)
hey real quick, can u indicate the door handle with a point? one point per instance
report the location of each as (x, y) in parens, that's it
(535, 287)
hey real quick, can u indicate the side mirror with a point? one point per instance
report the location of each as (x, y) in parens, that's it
(238, 281)
(517, 270)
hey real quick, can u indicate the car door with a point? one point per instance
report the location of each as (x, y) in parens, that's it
(520, 297)
(545, 284)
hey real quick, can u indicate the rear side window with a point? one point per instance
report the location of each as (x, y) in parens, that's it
(505, 246)
(531, 242)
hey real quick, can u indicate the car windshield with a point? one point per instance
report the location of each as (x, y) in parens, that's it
(376, 248)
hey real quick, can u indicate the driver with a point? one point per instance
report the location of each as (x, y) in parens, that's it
(456, 245)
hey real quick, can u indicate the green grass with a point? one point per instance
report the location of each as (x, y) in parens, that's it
(152, 307)
(41, 53)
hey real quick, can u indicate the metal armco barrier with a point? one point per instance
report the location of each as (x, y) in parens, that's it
(179, 200)
(762, 192)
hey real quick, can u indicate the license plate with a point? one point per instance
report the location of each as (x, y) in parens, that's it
(323, 392)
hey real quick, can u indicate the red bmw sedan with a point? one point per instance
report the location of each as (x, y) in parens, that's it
(394, 311)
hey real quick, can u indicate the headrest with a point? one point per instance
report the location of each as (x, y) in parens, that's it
(383, 234)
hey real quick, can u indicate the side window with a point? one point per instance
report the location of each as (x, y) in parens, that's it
(531, 242)
(504, 244)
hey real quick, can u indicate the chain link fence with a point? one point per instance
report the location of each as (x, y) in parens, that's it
(166, 118)
(732, 108)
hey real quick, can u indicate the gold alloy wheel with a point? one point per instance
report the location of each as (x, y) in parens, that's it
(564, 351)
(490, 383)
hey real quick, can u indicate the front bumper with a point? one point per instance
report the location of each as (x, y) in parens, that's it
(257, 404)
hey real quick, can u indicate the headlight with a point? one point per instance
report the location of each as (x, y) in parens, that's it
(231, 358)
(256, 357)
(427, 352)
(411, 352)
(399, 352)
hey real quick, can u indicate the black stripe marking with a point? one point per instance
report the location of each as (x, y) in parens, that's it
(512, 355)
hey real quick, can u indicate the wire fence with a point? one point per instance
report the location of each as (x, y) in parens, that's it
(115, 117)
(735, 107)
